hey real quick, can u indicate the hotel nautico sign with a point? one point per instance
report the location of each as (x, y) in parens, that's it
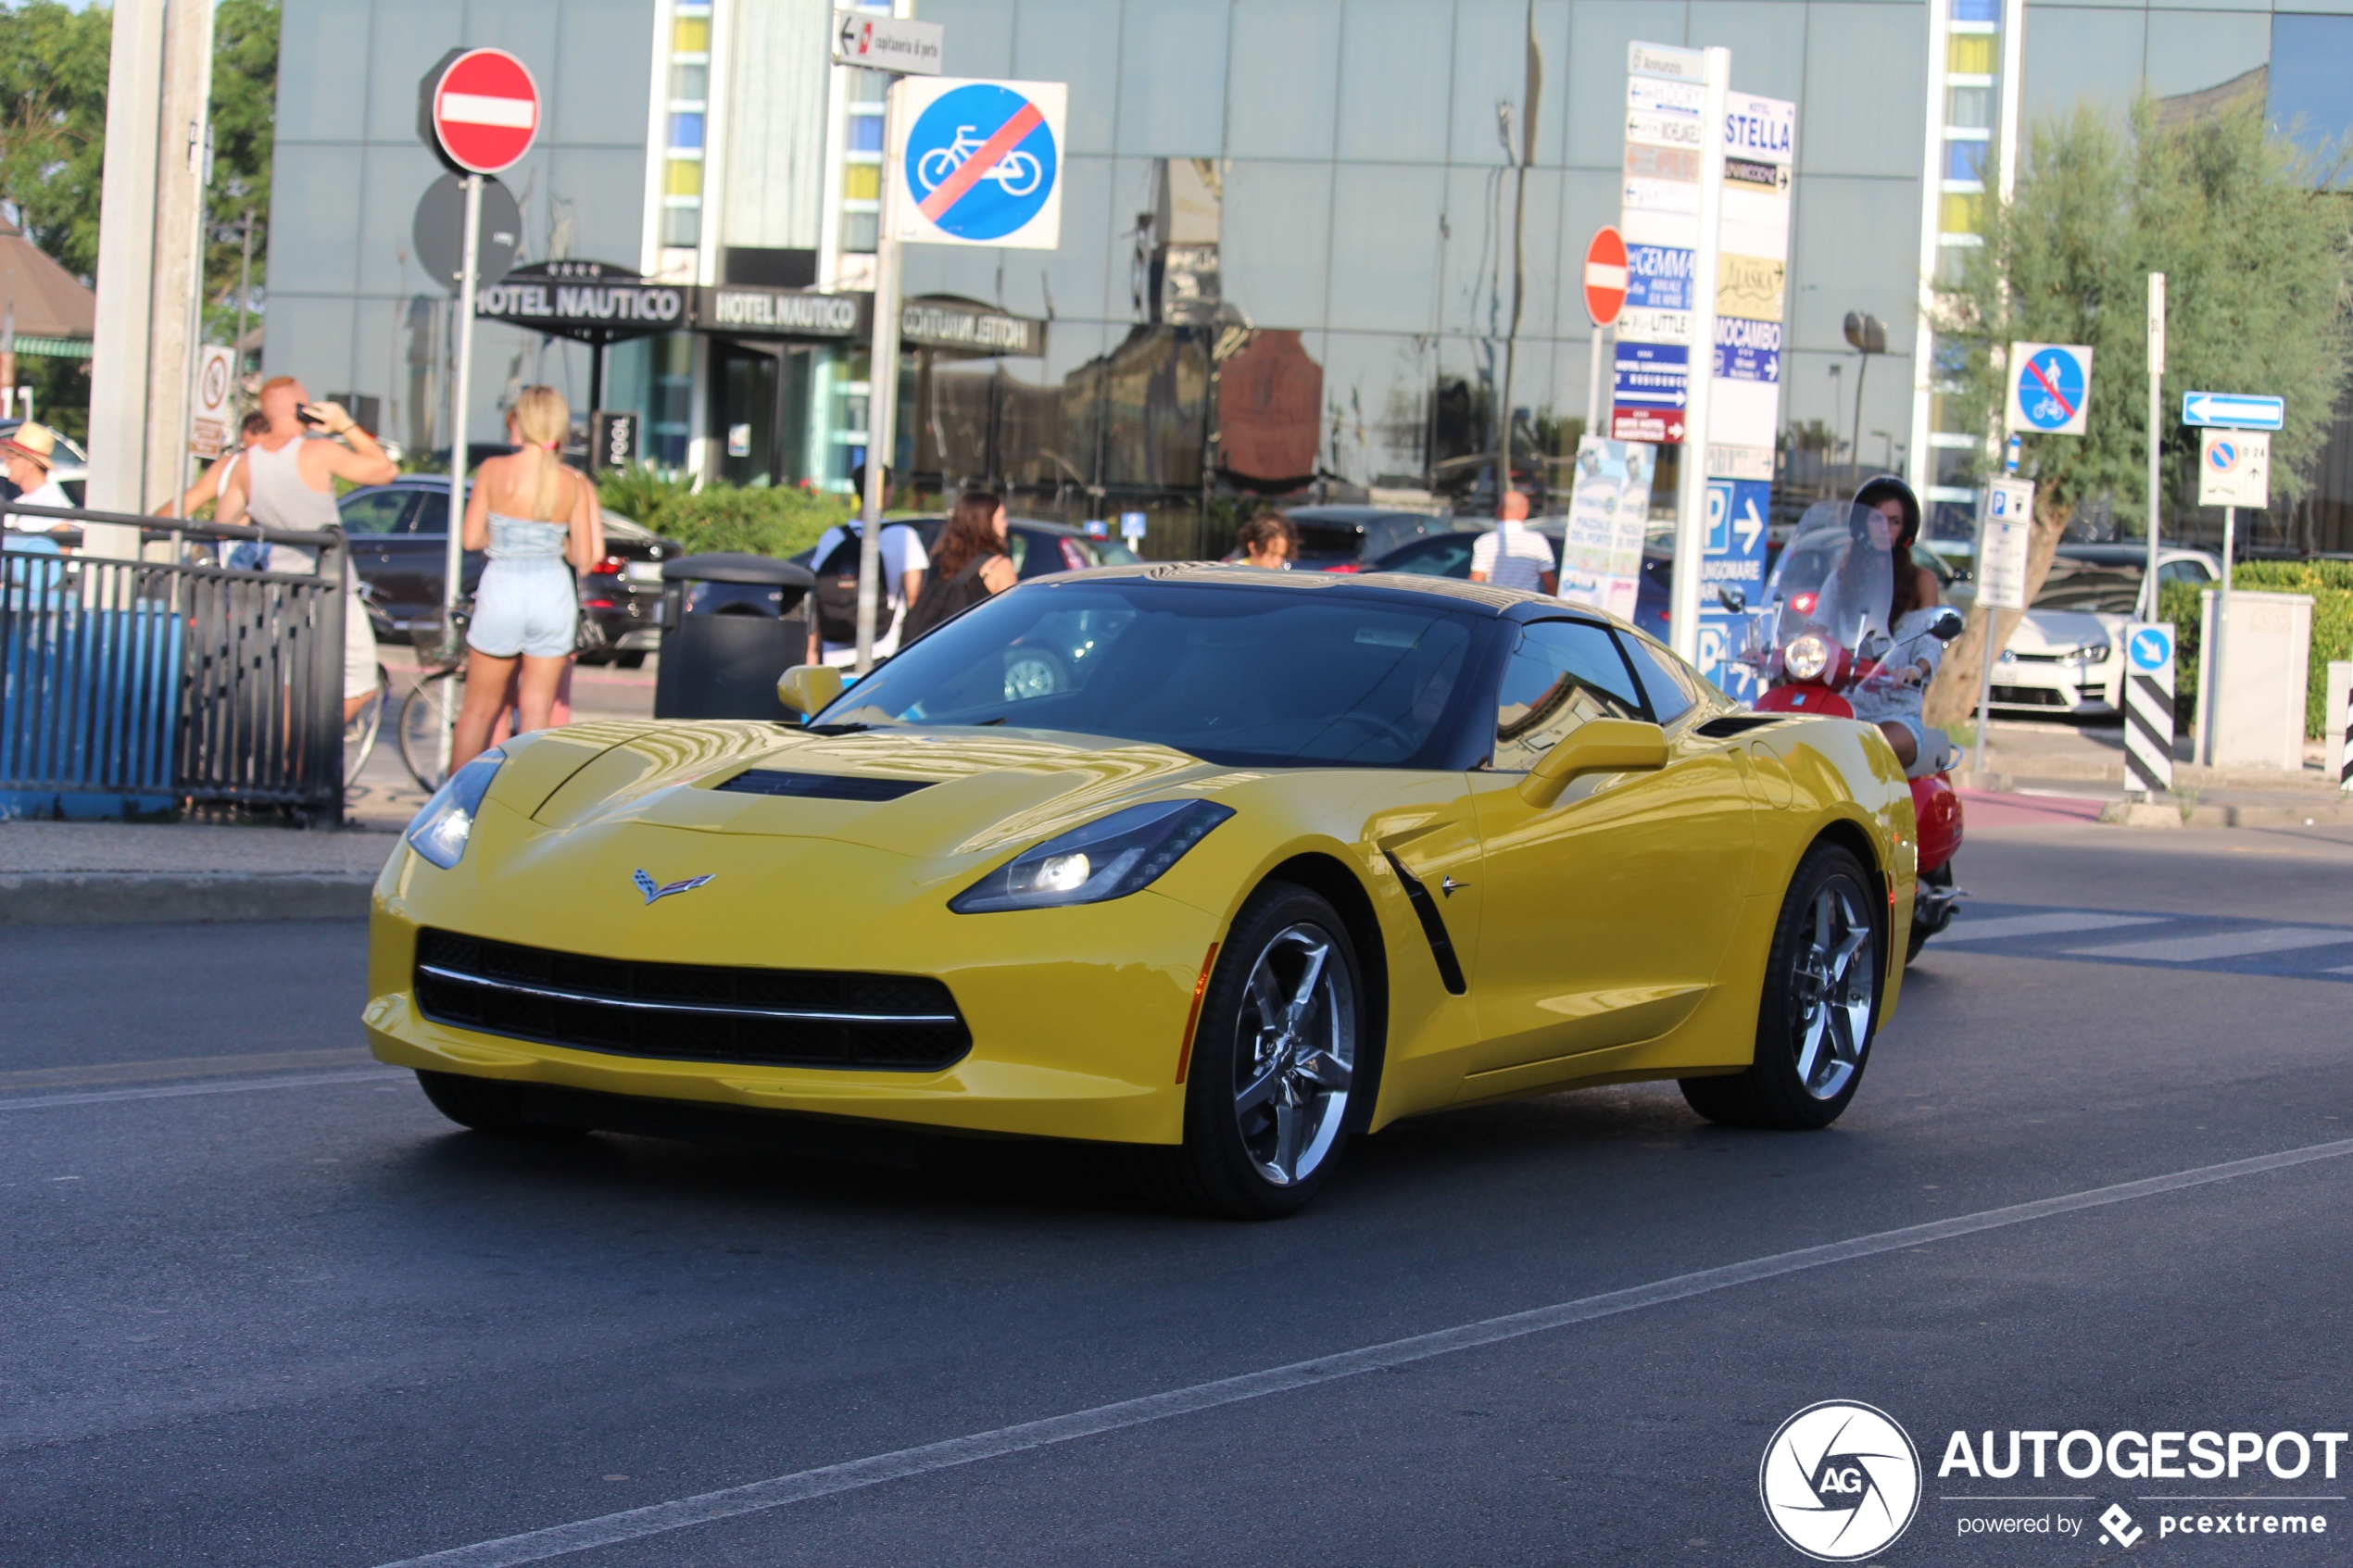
(599, 302)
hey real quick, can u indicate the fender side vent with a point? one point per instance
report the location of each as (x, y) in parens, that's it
(1727, 725)
(1441, 945)
(821, 786)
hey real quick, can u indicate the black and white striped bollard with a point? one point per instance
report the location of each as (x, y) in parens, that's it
(2148, 706)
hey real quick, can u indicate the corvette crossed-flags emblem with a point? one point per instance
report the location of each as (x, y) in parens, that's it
(653, 890)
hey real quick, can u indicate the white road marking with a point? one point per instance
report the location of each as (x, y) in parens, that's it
(2058, 923)
(2224, 945)
(295, 1081)
(560, 1540)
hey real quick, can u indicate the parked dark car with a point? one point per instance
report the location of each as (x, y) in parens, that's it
(1038, 548)
(1352, 538)
(1449, 555)
(399, 536)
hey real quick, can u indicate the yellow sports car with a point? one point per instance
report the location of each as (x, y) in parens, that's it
(1224, 865)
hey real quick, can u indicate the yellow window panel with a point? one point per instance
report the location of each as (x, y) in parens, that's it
(1960, 212)
(685, 178)
(862, 182)
(1970, 54)
(691, 35)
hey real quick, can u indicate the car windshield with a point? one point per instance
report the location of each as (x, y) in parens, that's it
(1240, 676)
(2111, 588)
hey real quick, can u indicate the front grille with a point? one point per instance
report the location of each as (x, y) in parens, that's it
(2029, 696)
(821, 786)
(694, 1013)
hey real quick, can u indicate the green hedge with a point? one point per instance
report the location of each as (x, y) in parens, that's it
(777, 522)
(2331, 584)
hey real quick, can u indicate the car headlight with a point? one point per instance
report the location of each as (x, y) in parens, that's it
(2096, 654)
(1111, 859)
(446, 821)
(1805, 656)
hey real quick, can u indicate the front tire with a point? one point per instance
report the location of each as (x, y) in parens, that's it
(1280, 1070)
(1820, 1009)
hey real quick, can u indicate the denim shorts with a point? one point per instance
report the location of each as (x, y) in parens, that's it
(524, 608)
(1920, 732)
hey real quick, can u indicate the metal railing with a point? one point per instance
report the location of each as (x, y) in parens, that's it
(166, 682)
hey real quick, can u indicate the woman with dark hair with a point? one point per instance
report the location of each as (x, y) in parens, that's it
(1268, 540)
(1895, 704)
(968, 563)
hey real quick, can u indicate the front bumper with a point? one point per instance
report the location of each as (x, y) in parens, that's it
(2063, 685)
(1077, 1016)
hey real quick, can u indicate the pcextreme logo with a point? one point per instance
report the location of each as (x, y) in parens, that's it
(1839, 1481)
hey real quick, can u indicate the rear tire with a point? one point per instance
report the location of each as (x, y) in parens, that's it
(485, 1105)
(1820, 1008)
(1282, 1070)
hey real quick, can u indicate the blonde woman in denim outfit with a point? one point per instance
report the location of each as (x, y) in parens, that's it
(535, 518)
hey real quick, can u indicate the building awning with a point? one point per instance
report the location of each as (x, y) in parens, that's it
(54, 314)
(600, 302)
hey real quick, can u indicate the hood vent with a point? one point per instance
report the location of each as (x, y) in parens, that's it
(821, 786)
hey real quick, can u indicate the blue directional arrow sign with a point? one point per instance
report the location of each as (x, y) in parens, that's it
(2233, 410)
(2150, 647)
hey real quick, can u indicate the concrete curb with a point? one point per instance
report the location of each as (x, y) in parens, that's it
(2170, 814)
(117, 897)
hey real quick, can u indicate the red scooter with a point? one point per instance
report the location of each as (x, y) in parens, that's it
(1826, 648)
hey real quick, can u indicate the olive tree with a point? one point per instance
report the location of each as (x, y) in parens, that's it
(2257, 252)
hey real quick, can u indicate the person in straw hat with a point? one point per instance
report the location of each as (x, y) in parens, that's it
(29, 451)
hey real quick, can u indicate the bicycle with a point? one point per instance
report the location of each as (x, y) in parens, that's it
(935, 166)
(361, 730)
(441, 693)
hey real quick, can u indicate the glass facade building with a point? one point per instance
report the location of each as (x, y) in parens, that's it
(1287, 252)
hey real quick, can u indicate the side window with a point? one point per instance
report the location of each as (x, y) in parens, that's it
(432, 515)
(2182, 571)
(375, 515)
(1563, 674)
(1664, 679)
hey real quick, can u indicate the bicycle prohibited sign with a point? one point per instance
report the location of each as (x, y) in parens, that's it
(978, 163)
(2050, 384)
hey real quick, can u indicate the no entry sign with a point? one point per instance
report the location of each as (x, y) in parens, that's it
(479, 109)
(1605, 276)
(978, 163)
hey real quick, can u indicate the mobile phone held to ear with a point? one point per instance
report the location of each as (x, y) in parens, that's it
(308, 414)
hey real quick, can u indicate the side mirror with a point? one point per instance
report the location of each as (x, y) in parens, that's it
(1947, 624)
(1600, 746)
(1875, 647)
(1733, 599)
(807, 688)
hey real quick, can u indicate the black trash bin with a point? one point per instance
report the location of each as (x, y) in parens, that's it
(730, 625)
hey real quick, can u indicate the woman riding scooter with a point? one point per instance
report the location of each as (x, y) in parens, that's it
(1894, 701)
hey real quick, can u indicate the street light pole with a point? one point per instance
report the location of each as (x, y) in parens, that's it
(882, 401)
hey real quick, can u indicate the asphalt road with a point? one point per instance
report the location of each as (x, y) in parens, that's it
(262, 1305)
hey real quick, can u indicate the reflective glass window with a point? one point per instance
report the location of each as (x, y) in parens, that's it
(1563, 675)
(1491, 67)
(1385, 246)
(377, 513)
(1393, 81)
(1277, 230)
(865, 133)
(1965, 159)
(1970, 54)
(1283, 83)
(1671, 688)
(690, 83)
(1077, 42)
(1971, 106)
(1172, 78)
(2309, 81)
(1861, 111)
(2074, 53)
(1977, 10)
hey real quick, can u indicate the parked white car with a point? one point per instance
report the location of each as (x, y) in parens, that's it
(2067, 653)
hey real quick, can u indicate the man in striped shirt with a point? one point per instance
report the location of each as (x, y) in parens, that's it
(1515, 556)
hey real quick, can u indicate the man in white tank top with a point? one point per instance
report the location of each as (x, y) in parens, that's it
(288, 480)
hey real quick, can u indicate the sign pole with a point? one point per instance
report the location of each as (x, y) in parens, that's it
(453, 560)
(882, 399)
(1985, 674)
(2157, 384)
(1593, 382)
(1691, 474)
(2207, 730)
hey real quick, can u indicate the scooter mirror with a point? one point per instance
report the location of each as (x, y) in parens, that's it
(1947, 624)
(1733, 599)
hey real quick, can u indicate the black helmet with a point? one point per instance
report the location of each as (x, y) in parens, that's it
(1885, 486)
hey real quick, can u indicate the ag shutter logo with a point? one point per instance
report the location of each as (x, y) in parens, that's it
(1839, 1481)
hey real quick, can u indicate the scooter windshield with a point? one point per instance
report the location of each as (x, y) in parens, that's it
(1855, 595)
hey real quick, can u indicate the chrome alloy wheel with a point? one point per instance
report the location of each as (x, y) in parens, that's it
(1297, 1054)
(1830, 989)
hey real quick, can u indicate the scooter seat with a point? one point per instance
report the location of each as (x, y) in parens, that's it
(1937, 754)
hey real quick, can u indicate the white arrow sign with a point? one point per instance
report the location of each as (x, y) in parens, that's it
(2232, 410)
(1749, 525)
